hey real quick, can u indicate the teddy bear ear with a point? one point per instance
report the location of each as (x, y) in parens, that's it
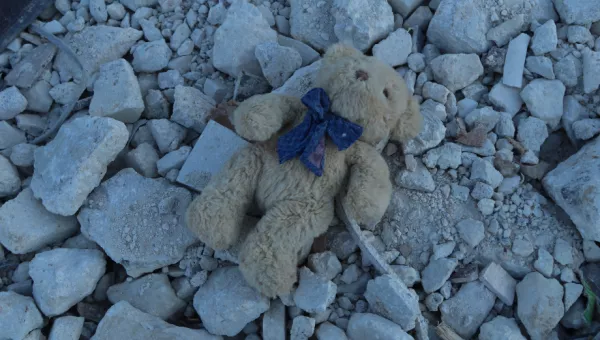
(341, 50)
(410, 123)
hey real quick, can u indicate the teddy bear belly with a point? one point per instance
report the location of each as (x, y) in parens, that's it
(293, 181)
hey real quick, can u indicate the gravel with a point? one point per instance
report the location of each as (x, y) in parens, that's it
(372, 326)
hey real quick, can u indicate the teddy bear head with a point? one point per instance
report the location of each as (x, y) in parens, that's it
(370, 93)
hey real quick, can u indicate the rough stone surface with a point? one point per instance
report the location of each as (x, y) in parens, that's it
(544, 263)
(12, 102)
(66, 328)
(10, 183)
(532, 133)
(484, 171)
(139, 222)
(467, 310)
(544, 38)
(372, 326)
(191, 107)
(122, 321)
(499, 282)
(580, 12)
(563, 252)
(361, 23)
(150, 294)
(395, 49)
(591, 70)
(273, 322)
(583, 129)
(243, 29)
(514, 63)
(278, 63)
(437, 273)
(500, 328)
(431, 135)
(327, 331)
(31, 67)
(168, 135)
(456, 71)
(569, 184)
(302, 328)
(471, 231)
(540, 65)
(445, 157)
(314, 294)
(26, 226)
(308, 54)
(63, 277)
(315, 26)
(226, 303)
(506, 98)
(390, 298)
(18, 315)
(540, 305)
(325, 264)
(301, 81)
(152, 56)
(69, 167)
(173, 160)
(10, 136)
(419, 179)
(117, 93)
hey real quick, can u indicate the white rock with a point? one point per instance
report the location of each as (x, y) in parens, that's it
(499, 282)
(277, 62)
(405, 7)
(431, 135)
(581, 12)
(226, 303)
(433, 108)
(572, 293)
(69, 167)
(500, 328)
(31, 67)
(591, 70)
(486, 206)
(181, 33)
(514, 63)
(302, 328)
(308, 54)
(544, 263)
(117, 93)
(324, 264)
(169, 79)
(63, 277)
(98, 10)
(467, 310)
(485, 116)
(26, 226)
(173, 160)
(390, 298)
(157, 106)
(361, 23)
(507, 30)
(10, 183)
(153, 212)
(301, 81)
(18, 315)
(584, 129)
(407, 274)
(327, 331)
(436, 92)
(311, 22)
(433, 301)
(273, 322)
(96, 45)
(372, 326)
(38, 97)
(191, 107)
(65, 93)
(152, 56)
(505, 126)
(445, 157)
(540, 305)
(395, 49)
(563, 252)
(532, 133)
(522, 248)
(540, 65)
(506, 98)
(456, 71)
(168, 135)
(243, 29)
(314, 293)
(66, 328)
(419, 179)
(544, 99)
(484, 171)
(471, 231)
(116, 11)
(150, 294)
(12, 102)
(544, 38)
(217, 14)
(437, 273)
(124, 321)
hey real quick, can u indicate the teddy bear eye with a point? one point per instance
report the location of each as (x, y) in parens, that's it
(386, 93)
(362, 75)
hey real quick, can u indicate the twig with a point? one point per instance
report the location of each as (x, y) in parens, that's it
(446, 333)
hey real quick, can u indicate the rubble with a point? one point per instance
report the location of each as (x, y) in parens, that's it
(18, 315)
(67, 328)
(390, 298)
(467, 310)
(514, 63)
(327, 331)
(500, 328)
(302, 328)
(191, 108)
(395, 49)
(167, 135)
(499, 282)
(12, 102)
(10, 183)
(277, 62)
(540, 306)
(456, 71)
(544, 38)
(591, 70)
(367, 325)
(152, 56)
(437, 273)
(273, 322)
(544, 99)
(419, 179)
(314, 293)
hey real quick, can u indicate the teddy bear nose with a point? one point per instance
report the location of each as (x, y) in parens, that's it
(362, 75)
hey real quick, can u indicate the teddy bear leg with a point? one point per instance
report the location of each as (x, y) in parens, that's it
(216, 216)
(269, 255)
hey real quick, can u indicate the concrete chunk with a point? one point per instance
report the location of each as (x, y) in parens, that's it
(499, 282)
(152, 56)
(390, 298)
(314, 294)
(12, 102)
(437, 273)
(514, 63)
(456, 71)
(314, 27)
(544, 99)
(191, 107)
(273, 323)
(372, 326)
(544, 38)
(467, 310)
(591, 70)
(540, 305)
(66, 328)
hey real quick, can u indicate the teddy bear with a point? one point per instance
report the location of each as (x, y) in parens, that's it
(305, 152)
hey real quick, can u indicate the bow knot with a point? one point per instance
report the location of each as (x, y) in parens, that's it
(308, 139)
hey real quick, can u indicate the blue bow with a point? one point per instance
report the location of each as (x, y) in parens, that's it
(308, 138)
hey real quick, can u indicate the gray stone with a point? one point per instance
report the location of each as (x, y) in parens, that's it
(500, 328)
(69, 167)
(580, 12)
(433, 301)
(273, 322)
(226, 303)
(540, 65)
(116, 11)
(544, 99)
(314, 293)
(150, 294)
(10, 183)
(98, 10)
(485, 172)
(532, 133)
(456, 71)
(471, 231)
(544, 263)
(591, 70)
(307, 53)
(545, 38)
(31, 67)
(579, 35)
(38, 97)
(506, 98)
(152, 56)
(445, 157)
(213, 149)
(433, 108)
(540, 305)
(301, 81)
(361, 23)
(436, 92)
(563, 252)
(395, 49)
(407, 274)
(154, 236)
(311, 22)
(173, 160)
(481, 191)
(419, 179)
(505, 126)
(591, 251)
(242, 30)
(372, 326)
(302, 328)
(217, 14)
(65, 93)
(134, 5)
(12, 102)
(514, 63)
(326, 331)
(26, 226)
(569, 185)
(169, 79)
(573, 112)
(117, 93)
(568, 70)
(466, 106)
(18, 315)
(390, 298)
(522, 248)
(277, 62)
(191, 107)
(485, 117)
(405, 7)
(156, 105)
(181, 33)
(152, 33)
(431, 135)
(437, 273)
(95, 45)
(507, 30)
(486, 206)
(420, 18)
(467, 310)
(168, 135)
(499, 282)
(66, 328)
(325, 265)
(572, 293)
(63, 277)
(122, 321)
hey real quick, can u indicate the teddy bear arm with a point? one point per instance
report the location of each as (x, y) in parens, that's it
(216, 215)
(369, 188)
(410, 123)
(260, 117)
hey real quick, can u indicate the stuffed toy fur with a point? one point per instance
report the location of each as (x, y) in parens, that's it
(295, 195)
